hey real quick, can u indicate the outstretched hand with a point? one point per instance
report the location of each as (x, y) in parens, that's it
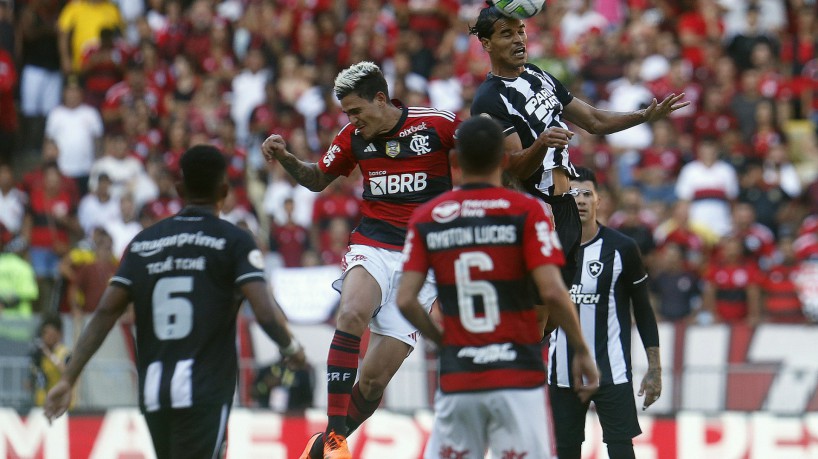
(658, 110)
(58, 400)
(273, 146)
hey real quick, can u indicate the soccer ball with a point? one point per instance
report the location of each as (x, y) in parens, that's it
(519, 9)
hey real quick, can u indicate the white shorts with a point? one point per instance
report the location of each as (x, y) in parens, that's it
(385, 266)
(507, 422)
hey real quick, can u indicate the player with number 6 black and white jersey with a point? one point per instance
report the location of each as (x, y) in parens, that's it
(533, 107)
(610, 283)
(485, 245)
(186, 276)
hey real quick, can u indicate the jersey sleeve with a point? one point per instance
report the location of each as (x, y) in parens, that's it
(248, 258)
(541, 245)
(489, 102)
(634, 272)
(339, 158)
(562, 93)
(415, 255)
(447, 131)
(126, 273)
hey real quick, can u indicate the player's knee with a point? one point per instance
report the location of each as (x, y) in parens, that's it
(372, 387)
(620, 449)
(353, 320)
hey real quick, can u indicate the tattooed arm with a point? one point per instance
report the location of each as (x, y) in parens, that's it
(306, 174)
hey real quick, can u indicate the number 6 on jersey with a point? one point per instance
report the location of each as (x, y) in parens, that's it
(172, 315)
(467, 289)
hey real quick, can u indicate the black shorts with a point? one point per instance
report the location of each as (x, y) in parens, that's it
(615, 407)
(569, 231)
(189, 433)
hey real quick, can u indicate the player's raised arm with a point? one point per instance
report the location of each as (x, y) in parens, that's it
(306, 174)
(111, 306)
(271, 319)
(600, 122)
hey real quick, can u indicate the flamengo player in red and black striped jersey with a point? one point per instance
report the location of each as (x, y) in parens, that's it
(485, 244)
(403, 154)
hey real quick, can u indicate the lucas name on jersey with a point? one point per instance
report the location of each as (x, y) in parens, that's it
(578, 297)
(466, 236)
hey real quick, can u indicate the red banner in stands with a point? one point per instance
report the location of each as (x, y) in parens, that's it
(257, 434)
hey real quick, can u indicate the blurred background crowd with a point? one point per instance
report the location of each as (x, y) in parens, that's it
(98, 100)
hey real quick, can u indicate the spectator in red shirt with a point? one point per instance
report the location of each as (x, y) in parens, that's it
(336, 201)
(50, 223)
(713, 118)
(659, 164)
(8, 112)
(731, 290)
(290, 240)
(702, 22)
(103, 65)
(335, 241)
(781, 302)
(124, 95)
(757, 239)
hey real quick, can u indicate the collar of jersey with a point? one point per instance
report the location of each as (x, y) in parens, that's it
(476, 186)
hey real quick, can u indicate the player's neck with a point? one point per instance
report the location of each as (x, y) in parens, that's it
(201, 207)
(494, 179)
(391, 119)
(589, 231)
(506, 71)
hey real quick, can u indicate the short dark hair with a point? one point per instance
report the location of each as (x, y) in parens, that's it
(586, 175)
(479, 145)
(49, 320)
(484, 27)
(203, 169)
(364, 79)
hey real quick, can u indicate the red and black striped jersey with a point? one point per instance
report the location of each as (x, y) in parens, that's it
(482, 243)
(401, 169)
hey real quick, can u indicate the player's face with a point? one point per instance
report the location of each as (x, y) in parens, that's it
(507, 45)
(366, 115)
(587, 200)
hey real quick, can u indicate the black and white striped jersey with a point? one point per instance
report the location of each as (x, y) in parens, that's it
(183, 275)
(610, 271)
(528, 105)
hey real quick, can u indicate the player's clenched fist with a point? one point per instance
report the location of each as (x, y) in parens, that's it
(273, 146)
(555, 137)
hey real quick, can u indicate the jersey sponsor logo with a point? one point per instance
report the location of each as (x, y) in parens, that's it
(329, 156)
(256, 259)
(446, 211)
(413, 129)
(370, 148)
(392, 148)
(420, 144)
(541, 104)
(398, 183)
(478, 207)
(154, 246)
(594, 268)
(578, 297)
(488, 354)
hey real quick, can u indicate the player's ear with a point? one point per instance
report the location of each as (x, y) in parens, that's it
(486, 44)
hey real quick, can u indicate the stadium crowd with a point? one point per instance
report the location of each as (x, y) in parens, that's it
(98, 101)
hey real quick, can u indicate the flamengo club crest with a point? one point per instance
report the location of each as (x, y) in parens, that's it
(594, 268)
(392, 148)
(420, 144)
